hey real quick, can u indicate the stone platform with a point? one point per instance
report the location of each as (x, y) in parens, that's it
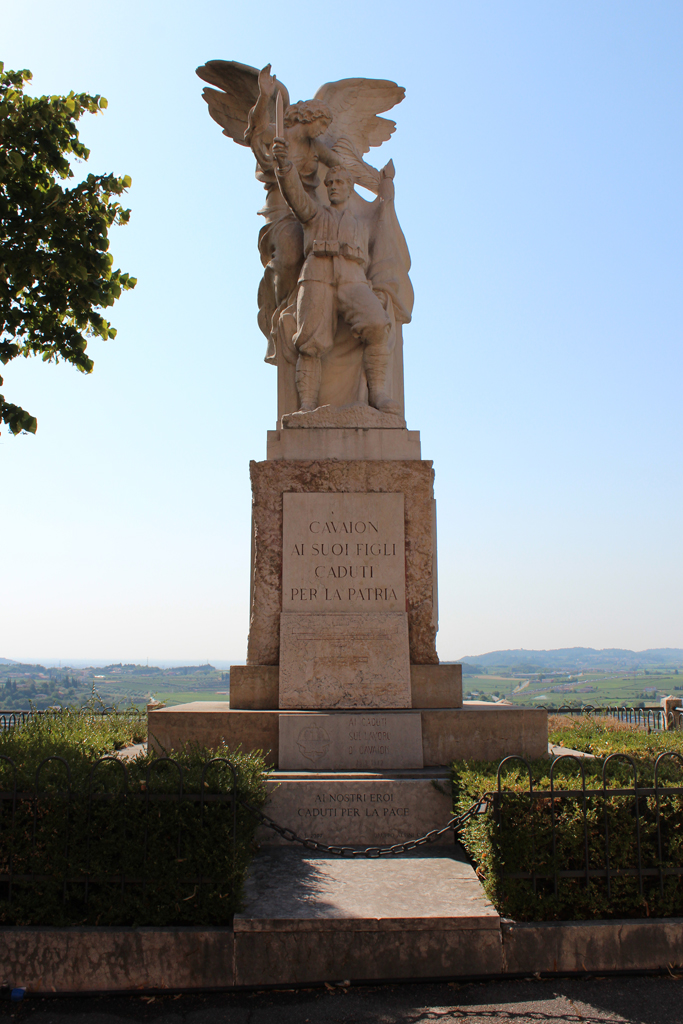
(484, 733)
(329, 919)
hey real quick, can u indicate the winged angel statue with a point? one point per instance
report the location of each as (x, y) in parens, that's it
(335, 290)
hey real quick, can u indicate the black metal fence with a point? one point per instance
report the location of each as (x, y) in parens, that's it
(126, 846)
(593, 834)
(652, 718)
(14, 718)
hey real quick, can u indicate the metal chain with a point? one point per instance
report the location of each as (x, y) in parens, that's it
(455, 824)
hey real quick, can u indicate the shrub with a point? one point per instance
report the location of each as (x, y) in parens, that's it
(602, 735)
(91, 841)
(522, 849)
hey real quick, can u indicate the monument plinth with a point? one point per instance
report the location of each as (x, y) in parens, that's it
(342, 673)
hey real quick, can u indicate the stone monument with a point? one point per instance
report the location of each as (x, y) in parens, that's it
(343, 684)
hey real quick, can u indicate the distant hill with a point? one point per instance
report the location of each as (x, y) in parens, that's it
(577, 659)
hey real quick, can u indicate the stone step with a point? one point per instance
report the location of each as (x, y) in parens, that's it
(359, 808)
(311, 918)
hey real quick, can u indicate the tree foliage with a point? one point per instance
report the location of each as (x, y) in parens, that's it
(55, 268)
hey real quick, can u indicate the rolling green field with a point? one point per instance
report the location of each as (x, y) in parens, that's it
(549, 678)
(25, 685)
(596, 688)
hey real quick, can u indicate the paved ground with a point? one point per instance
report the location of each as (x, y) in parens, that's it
(632, 1000)
(430, 882)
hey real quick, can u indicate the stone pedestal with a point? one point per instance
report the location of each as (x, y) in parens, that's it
(271, 480)
(343, 690)
(478, 732)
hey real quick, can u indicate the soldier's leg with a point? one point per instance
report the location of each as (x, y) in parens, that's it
(367, 317)
(316, 316)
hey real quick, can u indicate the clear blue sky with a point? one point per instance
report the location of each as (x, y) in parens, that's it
(538, 156)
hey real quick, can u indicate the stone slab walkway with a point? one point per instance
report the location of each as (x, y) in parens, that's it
(321, 918)
(295, 884)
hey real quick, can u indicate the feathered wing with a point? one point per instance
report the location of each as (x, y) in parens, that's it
(355, 104)
(239, 91)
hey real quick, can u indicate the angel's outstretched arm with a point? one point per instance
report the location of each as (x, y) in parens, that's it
(302, 205)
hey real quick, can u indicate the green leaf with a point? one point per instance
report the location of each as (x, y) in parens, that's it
(55, 274)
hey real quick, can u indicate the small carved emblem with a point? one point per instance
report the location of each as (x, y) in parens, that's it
(313, 742)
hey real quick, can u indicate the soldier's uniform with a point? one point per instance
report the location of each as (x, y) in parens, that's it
(333, 282)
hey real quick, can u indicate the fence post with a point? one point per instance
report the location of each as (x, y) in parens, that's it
(671, 713)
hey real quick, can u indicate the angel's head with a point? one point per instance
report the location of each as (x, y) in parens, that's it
(315, 115)
(339, 184)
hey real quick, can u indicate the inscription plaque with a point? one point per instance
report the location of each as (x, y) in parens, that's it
(363, 741)
(359, 811)
(344, 661)
(343, 552)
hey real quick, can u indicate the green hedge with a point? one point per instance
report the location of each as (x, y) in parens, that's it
(520, 840)
(101, 848)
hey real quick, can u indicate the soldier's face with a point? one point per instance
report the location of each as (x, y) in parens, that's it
(338, 188)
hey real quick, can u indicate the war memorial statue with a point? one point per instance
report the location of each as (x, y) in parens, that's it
(335, 290)
(342, 684)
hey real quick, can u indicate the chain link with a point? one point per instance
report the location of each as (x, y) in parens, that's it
(454, 825)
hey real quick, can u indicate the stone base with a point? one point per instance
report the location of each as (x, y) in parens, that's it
(310, 919)
(358, 414)
(271, 480)
(359, 809)
(344, 660)
(355, 741)
(436, 686)
(343, 443)
(256, 687)
(448, 734)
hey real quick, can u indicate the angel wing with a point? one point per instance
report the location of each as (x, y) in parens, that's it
(355, 104)
(239, 91)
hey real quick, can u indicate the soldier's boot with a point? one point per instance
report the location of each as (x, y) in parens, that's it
(308, 372)
(376, 365)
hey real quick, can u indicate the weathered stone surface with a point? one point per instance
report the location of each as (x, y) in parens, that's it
(320, 918)
(213, 724)
(418, 887)
(432, 686)
(346, 444)
(596, 946)
(483, 733)
(101, 959)
(448, 734)
(359, 809)
(253, 687)
(357, 415)
(343, 553)
(371, 741)
(436, 686)
(413, 479)
(344, 660)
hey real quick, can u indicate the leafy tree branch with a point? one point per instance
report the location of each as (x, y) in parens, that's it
(55, 267)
